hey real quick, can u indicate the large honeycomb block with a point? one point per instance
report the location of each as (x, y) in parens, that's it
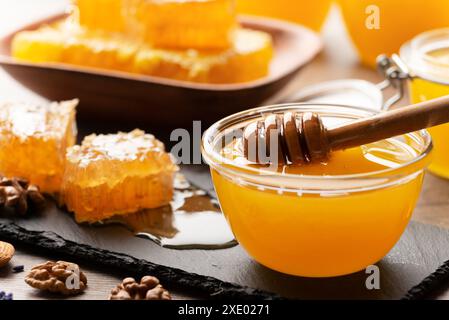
(117, 174)
(188, 24)
(248, 59)
(34, 139)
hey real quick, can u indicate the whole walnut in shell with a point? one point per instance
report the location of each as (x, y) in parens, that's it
(149, 288)
(59, 277)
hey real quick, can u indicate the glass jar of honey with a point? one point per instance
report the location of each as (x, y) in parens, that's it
(320, 219)
(427, 60)
(309, 13)
(381, 26)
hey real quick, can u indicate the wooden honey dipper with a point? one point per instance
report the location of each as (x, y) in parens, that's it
(302, 137)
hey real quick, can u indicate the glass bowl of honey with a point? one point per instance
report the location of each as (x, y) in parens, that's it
(427, 59)
(320, 219)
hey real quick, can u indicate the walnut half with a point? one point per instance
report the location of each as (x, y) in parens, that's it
(149, 288)
(59, 277)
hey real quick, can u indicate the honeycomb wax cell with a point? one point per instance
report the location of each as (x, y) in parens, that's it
(117, 174)
(188, 24)
(34, 139)
(248, 59)
(321, 219)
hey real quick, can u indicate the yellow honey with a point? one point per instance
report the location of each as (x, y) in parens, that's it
(427, 56)
(34, 139)
(116, 174)
(423, 90)
(188, 24)
(248, 59)
(322, 219)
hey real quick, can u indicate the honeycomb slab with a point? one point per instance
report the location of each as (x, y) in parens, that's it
(171, 24)
(77, 47)
(116, 174)
(188, 24)
(104, 15)
(248, 59)
(34, 139)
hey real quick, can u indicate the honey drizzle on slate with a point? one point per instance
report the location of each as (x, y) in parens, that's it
(193, 220)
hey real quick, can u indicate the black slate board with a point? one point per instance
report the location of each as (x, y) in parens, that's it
(421, 250)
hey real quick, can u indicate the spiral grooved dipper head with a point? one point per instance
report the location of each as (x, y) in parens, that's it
(299, 137)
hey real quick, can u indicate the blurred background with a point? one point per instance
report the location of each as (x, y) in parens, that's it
(352, 32)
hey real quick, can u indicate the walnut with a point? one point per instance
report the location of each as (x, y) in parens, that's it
(149, 288)
(6, 253)
(59, 277)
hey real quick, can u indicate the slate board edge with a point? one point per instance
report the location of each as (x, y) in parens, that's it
(431, 284)
(177, 278)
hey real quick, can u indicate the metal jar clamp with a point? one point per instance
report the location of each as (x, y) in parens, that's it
(395, 72)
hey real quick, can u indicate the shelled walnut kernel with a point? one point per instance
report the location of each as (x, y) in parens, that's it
(149, 288)
(59, 277)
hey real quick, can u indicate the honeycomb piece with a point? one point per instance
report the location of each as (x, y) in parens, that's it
(104, 15)
(44, 45)
(117, 174)
(188, 24)
(78, 47)
(34, 139)
(248, 59)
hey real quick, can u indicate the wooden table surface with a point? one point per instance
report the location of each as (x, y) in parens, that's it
(337, 61)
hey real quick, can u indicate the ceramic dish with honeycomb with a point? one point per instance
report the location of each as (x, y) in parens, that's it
(162, 38)
(248, 58)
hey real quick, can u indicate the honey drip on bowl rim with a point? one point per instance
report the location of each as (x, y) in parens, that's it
(193, 220)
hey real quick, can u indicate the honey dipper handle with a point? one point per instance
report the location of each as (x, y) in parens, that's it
(389, 124)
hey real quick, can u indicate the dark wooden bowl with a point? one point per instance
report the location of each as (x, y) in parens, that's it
(152, 101)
